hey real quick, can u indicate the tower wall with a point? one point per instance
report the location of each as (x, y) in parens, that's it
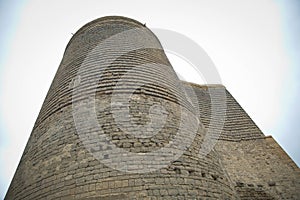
(109, 86)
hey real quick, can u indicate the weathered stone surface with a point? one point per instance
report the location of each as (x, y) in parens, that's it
(57, 164)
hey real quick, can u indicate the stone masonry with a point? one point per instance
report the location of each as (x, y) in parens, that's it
(94, 136)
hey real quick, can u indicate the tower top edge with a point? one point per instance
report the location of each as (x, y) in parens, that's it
(203, 85)
(111, 19)
(107, 20)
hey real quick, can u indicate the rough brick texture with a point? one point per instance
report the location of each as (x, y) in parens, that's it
(59, 160)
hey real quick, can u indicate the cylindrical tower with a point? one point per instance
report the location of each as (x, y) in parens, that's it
(117, 124)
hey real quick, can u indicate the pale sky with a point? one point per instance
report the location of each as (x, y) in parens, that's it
(253, 44)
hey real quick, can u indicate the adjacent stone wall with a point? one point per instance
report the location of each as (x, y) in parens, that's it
(260, 165)
(256, 164)
(237, 123)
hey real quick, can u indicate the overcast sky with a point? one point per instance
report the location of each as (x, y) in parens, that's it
(253, 44)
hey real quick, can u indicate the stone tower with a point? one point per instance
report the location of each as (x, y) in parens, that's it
(117, 123)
